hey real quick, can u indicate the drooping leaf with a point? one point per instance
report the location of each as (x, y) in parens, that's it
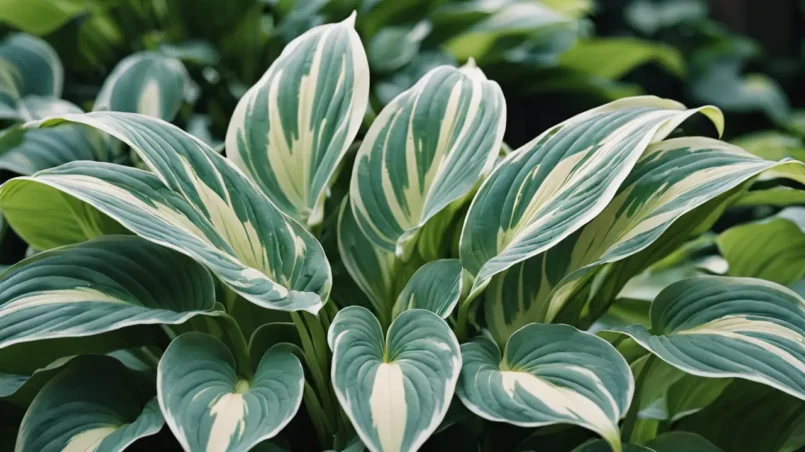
(436, 287)
(96, 404)
(426, 149)
(395, 388)
(144, 82)
(772, 249)
(548, 374)
(198, 203)
(722, 327)
(549, 188)
(291, 130)
(28, 65)
(210, 405)
(100, 286)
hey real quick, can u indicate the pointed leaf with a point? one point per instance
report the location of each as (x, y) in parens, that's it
(550, 187)
(95, 404)
(28, 151)
(548, 374)
(291, 130)
(209, 405)
(436, 287)
(395, 390)
(721, 327)
(426, 149)
(144, 82)
(28, 65)
(200, 204)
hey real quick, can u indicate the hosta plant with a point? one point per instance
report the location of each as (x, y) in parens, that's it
(312, 290)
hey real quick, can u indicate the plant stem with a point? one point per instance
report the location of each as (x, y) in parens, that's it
(321, 421)
(320, 379)
(461, 320)
(631, 415)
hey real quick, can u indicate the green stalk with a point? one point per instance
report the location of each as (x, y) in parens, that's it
(321, 422)
(322, 385)
(631, 415)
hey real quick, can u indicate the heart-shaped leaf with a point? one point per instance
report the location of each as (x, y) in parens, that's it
(96, 404)
(721, 327)
(426, 149)
(548, 374)
(210, 405)
(395, 389)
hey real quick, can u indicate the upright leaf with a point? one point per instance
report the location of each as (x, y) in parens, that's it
(552, 186)
(197, 202)
(436, 286)
(291, 130)
(721, 327)
(95, 404)
(426, 149)
(395, 389)
(28, 65)
(548, 374)
(144, 82)
(210, 405)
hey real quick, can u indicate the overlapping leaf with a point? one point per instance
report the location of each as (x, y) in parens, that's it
(436, 287)
(548, 374)
(198, 203)
(426, 149)
(209, 404)
(28, 66)
(721, 327)
(291, 130)
(552, 186)
(395, 389)
(95, 404)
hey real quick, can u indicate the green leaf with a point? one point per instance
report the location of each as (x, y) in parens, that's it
(602, 446)
(197, 202)
(612, 58)
(396, 390)
(95, 403)
(772, 249)
(677, 441)
(210, 405)
(427, 148)
(436, 287)
(28, 151)
(776, 197)
(28, 65)
(42, 17)
(545, 191)
(144, 82)
(292, 129)
(394, 47)
(720, 327)
(548, 374)
(100, 286)
(69, 220)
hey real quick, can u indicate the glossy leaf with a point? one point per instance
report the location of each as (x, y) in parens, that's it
(436, 287)
(209, 404)
(426, 149)
(145, 82)
(395, 388)
(28, 65)
(548, 374)
(549, 188)
(96, 404)
(291, 130)
(721, 327)
(197, 202)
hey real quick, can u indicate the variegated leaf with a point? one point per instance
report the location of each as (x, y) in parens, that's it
(291, 130)
(210, 405)
(395, 389)
(371, 267)
(97, 287)
(722, 327)
(28, 65)
(144, 82)
(200, 204)
(549, 188)
(94, 404)
(548, 374)
(426, 149)
(436, 286)
(669, 180)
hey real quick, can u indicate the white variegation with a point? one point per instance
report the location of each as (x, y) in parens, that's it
(210, 405)
(426, 149)
(291, 130)
(721, 327)
(548, 374)
(395, 388)
(549, 188)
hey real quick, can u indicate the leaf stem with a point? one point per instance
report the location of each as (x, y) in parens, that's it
(631, 415)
